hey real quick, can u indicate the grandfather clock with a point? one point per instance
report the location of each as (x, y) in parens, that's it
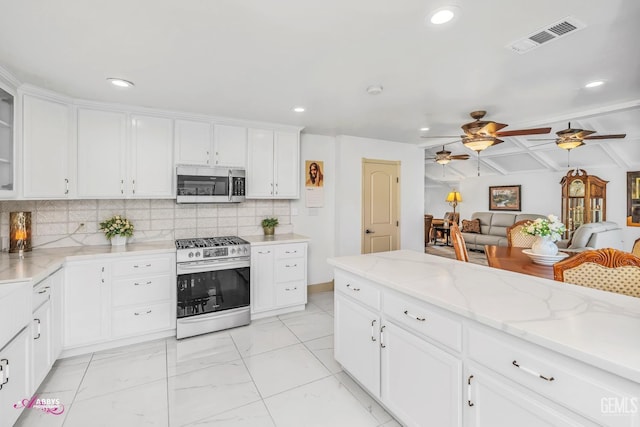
(584, 199)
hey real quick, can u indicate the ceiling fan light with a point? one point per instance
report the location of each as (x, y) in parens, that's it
(569, 144)
(478, 144)
(443, 161)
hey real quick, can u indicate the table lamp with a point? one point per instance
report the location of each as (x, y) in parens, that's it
(454, 198)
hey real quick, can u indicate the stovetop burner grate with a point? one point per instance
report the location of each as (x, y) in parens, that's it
(209, 242)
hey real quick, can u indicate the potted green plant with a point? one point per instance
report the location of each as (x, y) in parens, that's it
(268, 225)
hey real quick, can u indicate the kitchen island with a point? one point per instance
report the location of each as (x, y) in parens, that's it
(441, 342)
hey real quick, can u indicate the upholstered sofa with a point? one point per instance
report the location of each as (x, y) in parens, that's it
(594, 235)
(493, 228)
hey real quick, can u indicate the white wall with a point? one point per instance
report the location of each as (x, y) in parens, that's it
(435, 194)
(349, 154)
(317, 223)
(541, 194)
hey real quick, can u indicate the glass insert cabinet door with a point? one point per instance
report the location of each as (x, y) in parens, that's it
(584, 199)
(6, 142)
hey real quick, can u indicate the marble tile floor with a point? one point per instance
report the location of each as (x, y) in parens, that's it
(276, 372)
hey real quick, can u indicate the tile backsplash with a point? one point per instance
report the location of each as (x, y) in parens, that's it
(56, 223)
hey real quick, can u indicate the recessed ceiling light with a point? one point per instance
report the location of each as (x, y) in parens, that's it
(594, 83)
(374, 90)
(298, 109)
(443, 15)
(120, 82)
(424, 129)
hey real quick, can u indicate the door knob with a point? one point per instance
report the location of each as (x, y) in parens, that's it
(367, 231)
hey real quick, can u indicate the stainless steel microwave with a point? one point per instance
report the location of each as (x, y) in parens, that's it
(209, 185)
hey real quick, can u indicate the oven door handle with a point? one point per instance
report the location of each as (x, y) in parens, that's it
(201, 267)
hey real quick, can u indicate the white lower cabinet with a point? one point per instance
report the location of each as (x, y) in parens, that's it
(112, 299)
(14, 376)
(42, 343)
(411, 355)
(278, 278)
(420, 383)
(357, 342)
(86, 302)
(491, 401)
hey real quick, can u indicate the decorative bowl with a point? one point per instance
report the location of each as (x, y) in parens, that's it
(544, 259)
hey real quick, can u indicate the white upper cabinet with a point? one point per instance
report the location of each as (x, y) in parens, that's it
(116, 160)
(273, 170)
(230, 146)
(49, 171)
(7, 147)
(151, 158)
(286, 158)
(102, 137)
(193, 142)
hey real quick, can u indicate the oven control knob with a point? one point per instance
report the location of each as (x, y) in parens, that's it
(197, 254)
(190, 254)
(233, 251)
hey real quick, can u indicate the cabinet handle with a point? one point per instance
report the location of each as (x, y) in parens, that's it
(138, 284)
(44, 290)
(271, 188)
(373, 332)
(422, 319)
(532, 372)
(291, 289)
(133, 186)
(469, 402)
(290, 252)
(4, 372)
(353, 289)
(207, 157)
(37, 320)
(142, 314)
(382, 345)
(264, 253)
(66, 186)
(290, 266)
(102, 275)
(142, 266)
(276, 188)
(122, 186)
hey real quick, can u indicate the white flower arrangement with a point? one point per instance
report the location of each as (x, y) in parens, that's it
(550, 226)
(117, 226)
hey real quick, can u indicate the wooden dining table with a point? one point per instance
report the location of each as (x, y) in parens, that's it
(512, 259)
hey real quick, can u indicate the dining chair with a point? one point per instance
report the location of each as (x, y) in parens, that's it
(516, 238)
(606, 269)
(428, 219)
(458, 243)
(636, 248)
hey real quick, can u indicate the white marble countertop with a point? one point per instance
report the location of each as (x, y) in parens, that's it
(277, 238)
(39, 263)
(599, 328)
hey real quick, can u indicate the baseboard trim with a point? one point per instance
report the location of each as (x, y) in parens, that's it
(320, 287)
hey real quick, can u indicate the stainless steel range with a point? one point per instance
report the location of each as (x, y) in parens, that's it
(213, 284)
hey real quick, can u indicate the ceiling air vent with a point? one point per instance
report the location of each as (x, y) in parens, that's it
(550, 33)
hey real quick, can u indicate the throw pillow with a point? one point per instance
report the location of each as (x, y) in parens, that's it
(471, 226)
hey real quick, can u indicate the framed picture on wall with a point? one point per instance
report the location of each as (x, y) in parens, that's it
(633, 199)
(505, 198)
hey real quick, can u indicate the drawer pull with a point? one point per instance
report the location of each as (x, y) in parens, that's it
(353, 289)
(142, 266)
(264, 253)
(291, 289)
(469, 402)
(289, 266)
(138, 284)
(38, 329)
(44, 290)
(290, 252)
(373, 332)
(422, 319)
(141, 314)
(382, 337)
(534, 373)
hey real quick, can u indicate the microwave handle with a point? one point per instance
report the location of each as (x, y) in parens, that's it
(230, 185)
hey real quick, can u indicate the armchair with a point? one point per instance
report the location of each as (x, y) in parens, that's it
(593, 235)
